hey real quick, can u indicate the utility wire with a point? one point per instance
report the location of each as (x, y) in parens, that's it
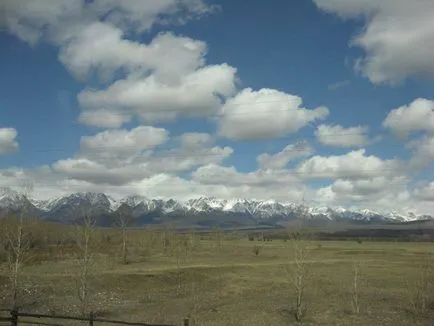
(350, 176)
(126, 147)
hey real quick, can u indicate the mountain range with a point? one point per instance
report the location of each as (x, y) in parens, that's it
(198, 212)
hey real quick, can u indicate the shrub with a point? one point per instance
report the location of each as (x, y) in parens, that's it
(257, 250)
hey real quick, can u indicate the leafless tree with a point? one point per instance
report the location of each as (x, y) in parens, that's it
(218, 236)
(181, 255)
(84, 238)
(421, 287)
(298, 269)
(355, 288)
(299, 274)
(123, 221)
(18, 246)
(168, 236)
(196, 298)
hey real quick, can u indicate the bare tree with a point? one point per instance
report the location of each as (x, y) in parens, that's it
(168, 237)
(298, 270)
(218, 236)
(355, 288)
(123, 221)
(181, 254)
(196, 298)
(421, 287)
(18, 246)
(84, 237)
(299, 279)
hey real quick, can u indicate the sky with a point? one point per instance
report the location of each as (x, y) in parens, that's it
(326, 102)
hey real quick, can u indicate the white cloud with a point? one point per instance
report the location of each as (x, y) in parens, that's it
(103, 118)
(266, 113)
(169, 186)
(141, 15)
(423, 154)
(417, 116)
(57, 21)
(122, 144)
(196, 94)
(119, 157)
(103, 48)
(425, 193)
(366, 188)
(195, 139)
(397, 37)
(8, 141)
(31, 20)
(114, 157)
(352, 165)
(379, 192)
(215, 174)
(339, 136)
(93, 172)
(280, 160)
(169, 77)
(168, 74)
(338, 85)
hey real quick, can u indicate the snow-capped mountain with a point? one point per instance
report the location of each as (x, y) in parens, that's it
(13, 201)
(68, 208)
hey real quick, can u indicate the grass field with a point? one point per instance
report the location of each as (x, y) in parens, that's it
(225, 279)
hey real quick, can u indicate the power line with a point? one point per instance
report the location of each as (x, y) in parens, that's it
(350, 176)
(288, 137)
(221, 113)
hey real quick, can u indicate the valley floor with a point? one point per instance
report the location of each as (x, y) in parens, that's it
(232, 281)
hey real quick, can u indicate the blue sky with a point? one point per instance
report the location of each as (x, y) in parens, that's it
(264, 55)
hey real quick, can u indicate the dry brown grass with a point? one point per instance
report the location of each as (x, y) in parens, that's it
(216, 280)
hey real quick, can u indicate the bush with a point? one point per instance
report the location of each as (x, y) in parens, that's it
(257, 250)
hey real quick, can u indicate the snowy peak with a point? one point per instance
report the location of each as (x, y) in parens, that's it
(134, 201)
(67, 207)
(13, 200)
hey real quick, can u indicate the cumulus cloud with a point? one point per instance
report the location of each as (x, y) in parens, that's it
(103, 118)
(58, 21)
(338, 85)
(118, 157)
(266, 113)
(215, 174)
(352, 165)
(339, 136)
(423, 152)
(8, 141)
(158, 80)
(281, 159)
(122, 144)
(197, 94)
(380, 192)
(196, 139)
(425, 193)
(366, 188)
(376, 194)
(417, 116)
(169, 186)
(166, 78)
(103, 48)
(169, 77)
(98, 173)
(393, 30)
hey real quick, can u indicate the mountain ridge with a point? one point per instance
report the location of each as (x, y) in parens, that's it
(151, 210)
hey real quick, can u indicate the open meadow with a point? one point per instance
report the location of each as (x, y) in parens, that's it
(217, 278)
